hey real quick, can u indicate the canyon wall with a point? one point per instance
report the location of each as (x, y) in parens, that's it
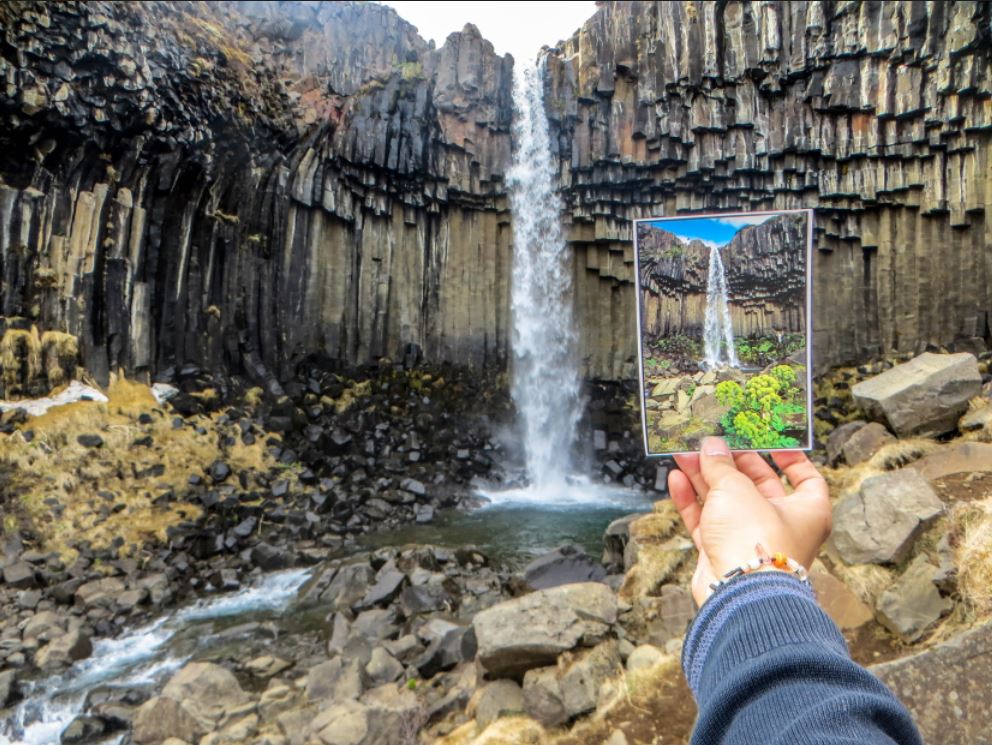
(876, 114)
(242, 185)
(765, 269)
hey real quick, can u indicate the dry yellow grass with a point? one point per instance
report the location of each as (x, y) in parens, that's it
(54, 469)
(660, 547)
(972, 529)
(59, 355)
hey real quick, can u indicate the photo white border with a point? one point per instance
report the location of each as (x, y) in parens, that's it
(809, 319)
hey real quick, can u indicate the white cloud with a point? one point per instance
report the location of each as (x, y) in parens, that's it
(743, 220)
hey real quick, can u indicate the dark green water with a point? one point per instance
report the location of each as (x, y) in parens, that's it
(513, 534)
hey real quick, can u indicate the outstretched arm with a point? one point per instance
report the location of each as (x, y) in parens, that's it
(764, 662)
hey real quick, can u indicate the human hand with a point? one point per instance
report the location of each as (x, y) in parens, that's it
(729, 503)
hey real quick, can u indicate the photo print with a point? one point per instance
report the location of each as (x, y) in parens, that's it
(724, 311)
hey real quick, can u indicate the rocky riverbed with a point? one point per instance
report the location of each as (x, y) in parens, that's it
(238, 594)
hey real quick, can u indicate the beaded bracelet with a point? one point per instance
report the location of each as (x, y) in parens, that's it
(763, 558)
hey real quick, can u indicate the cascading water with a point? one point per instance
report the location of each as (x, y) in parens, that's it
(546, 384)
(140, 658)
(545, 375)
(718, 331)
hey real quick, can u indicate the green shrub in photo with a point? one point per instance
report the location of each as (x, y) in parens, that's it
(763, 410)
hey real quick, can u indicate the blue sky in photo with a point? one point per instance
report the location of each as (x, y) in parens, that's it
(713, 231)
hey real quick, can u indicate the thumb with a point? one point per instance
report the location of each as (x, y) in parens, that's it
(716, 464)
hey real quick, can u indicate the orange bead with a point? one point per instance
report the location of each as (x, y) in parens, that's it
(780, 560)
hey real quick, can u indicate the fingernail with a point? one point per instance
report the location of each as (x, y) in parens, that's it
(715, 446)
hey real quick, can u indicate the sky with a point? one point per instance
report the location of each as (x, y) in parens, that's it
(516, 26)
(713, 231)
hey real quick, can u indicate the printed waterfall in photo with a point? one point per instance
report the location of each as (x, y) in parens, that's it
(724, 324)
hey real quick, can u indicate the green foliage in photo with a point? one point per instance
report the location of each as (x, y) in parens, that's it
(763, 410)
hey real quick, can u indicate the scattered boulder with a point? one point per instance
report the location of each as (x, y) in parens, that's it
(562, 566)
(864, 443)
(83, 729)
(879, 523)
(923, 397)
(383, 667)
(946, 687)
(207, 692)
(837, 438)
(9, 693)
(913, 604)
(615, 539)
(335, 680)
(583, 675)
(845, 608)
(543, 697)
(965, 457)
(498, 698)
(100, 593)
(20, 575)
(161, 718)
(64, 650)
(530, 631)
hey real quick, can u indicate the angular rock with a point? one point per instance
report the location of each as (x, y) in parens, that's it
(879, 524)
(923, 397)
(382, 667)
(161, 718)
(207, 692)
(864, 443)
(965, 457)
(386, 587)
(913, 604)
(845, 608)
(335, 680)
(449, 646)
(101, 593)
(63, 651)
(90, 441)
(583, 675)
(9, 692)
(838, 437)
(83, 729)
(543, 697)
(562, 566)
(20, 575)
(531, 631)
(498, 698)
(946, 687)
(44, 626)
(615, 539)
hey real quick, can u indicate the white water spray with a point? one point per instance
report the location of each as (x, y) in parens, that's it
(141, 657)
(718, 331)
(545, 375)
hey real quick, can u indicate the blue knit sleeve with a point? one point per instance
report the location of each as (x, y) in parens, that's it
(768, 667)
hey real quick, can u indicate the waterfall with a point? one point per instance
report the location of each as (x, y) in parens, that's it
(545, 376)
(718, 332)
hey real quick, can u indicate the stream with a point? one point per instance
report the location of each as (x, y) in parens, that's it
(509, 531)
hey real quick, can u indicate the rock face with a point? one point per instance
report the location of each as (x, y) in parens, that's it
(664, 108)
(925, 396)
(533, 630)
(879, 524)
(674, 279)
(242, 185)
(946, 687)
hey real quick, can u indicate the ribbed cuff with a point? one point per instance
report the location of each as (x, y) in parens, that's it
(749, 616)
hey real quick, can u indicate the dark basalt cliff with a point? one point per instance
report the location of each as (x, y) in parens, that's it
(765, 269)
(240, 185)
(876, 114)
